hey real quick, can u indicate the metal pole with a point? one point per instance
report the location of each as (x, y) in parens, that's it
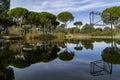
(112, 35)
(111, 68)
(90, 17)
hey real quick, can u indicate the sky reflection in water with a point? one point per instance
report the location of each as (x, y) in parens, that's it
(76, 69)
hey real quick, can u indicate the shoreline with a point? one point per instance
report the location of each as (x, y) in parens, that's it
(99, 37)
(67, 37)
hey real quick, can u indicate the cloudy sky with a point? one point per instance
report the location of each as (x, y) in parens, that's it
(79, 8)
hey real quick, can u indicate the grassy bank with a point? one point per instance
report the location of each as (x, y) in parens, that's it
(57, 36)
(106, 37)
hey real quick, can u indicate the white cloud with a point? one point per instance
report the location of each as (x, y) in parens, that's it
(57, 6)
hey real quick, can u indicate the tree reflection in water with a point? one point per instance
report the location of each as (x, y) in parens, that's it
(111, 55)
(21, 55)
(98, 68)
(78, 45)
(66, 55)
(88, 44)
(6, 73)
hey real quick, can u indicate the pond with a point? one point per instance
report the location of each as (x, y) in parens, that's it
(84, 59)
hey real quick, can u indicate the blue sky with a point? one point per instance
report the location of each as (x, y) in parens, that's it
(79, 8)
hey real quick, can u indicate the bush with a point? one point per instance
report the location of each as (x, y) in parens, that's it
(46, 37)
(59, 35)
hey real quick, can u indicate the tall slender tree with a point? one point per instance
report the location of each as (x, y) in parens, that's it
(33, 19)
(65, 17)
(113, 19)
(46, 20)
(78, 24)
(4, 18)
(18, 14)
(114, 13)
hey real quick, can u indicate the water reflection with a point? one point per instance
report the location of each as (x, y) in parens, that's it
(78, 45)
(111, 55)
(22, 54)
(6, 73)
(86, 43)
(100, 67)
(66, 55)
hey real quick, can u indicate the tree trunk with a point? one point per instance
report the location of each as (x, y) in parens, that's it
(115, 31)
(43, 28)
(65, 28)
(79, 29)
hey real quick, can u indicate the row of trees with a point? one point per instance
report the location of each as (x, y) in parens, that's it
(45, 21)
(48, 22)
(109, 16)
(87, 29)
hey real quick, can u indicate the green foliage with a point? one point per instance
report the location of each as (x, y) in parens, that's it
(33, 18)
(48, 20)
(47, 57)
(5, 20)
(88, 44)
(18, 15)
(4, 5)
(44, 20)
(60, 29)
(115, 14)
(102, 32)
(106, 31)
(73, 30)
(43, 17)
(111, 55)
(117, 30)
(46, 16)
(66, 56)
(87, 29)
(78, 23)
(46, 37)
(4, 58)
(20, 63)
(65, 17)
(7, 73)
(55, 24)
(98, 29)
(78, 48)
(18, 12)
(59, 35)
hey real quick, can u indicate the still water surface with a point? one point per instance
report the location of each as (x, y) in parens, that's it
(59, 60)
